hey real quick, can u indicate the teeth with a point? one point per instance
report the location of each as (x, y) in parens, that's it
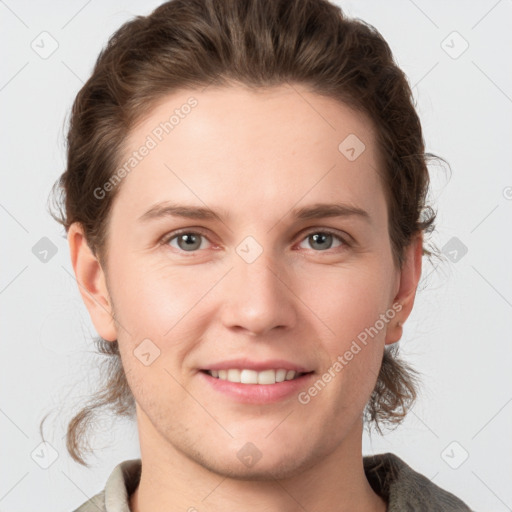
(233, 375)
(247, 376)
(253, 377)
(280, 375)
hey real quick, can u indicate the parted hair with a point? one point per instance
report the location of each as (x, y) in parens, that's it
(258, 43)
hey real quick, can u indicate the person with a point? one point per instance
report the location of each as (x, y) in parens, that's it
(245, 206)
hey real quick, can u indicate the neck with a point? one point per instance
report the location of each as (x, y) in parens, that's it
(170, 480)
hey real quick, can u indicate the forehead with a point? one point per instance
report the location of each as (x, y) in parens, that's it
(245, 148)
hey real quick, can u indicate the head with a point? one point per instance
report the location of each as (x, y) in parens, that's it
(256, 112)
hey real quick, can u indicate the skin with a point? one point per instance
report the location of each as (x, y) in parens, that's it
(254, 156)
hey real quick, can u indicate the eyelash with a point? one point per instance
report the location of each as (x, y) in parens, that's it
(325, 231)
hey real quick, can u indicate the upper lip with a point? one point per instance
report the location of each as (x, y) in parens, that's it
(258, 366)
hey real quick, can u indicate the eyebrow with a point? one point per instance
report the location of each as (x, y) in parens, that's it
(316, 211)
(321, 210)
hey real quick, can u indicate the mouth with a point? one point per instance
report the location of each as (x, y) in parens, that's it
(247, 376)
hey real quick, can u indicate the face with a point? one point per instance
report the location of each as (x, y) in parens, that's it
(251, 237)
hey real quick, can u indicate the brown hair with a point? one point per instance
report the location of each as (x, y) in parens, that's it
(259, 43)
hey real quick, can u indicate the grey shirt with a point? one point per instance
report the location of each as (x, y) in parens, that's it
(401, 487)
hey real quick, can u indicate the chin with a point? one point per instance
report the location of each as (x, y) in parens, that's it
(248, 463)
(263, 472)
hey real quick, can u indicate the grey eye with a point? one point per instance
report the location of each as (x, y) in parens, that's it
(321, 241)
(188, 241)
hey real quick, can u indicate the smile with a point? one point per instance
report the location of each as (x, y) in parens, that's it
(246, 376)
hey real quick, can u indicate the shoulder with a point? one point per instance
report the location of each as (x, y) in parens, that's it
(95, 504)
(405, 489)
(121, 483)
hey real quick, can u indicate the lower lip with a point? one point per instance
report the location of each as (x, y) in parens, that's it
(258, 393)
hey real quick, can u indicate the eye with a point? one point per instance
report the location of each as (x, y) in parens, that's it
(188, 241)
(192, 241)
(323, 240)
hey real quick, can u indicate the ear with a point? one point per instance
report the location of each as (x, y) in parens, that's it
(91, 283)
(408, 284)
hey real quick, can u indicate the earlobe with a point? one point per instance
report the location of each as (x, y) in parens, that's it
(408, 284)
(91, 282)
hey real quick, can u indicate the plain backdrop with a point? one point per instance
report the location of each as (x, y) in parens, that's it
(457, 57)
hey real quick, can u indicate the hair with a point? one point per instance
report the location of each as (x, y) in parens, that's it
(187, 44)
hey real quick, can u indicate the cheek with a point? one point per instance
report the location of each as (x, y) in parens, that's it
(154, 298)
(352, 306)
(164, 305)
(348, 300)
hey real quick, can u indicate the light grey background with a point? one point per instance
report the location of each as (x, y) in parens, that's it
(458, 336)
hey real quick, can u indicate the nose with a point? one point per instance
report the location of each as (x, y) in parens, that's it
(258, 297)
